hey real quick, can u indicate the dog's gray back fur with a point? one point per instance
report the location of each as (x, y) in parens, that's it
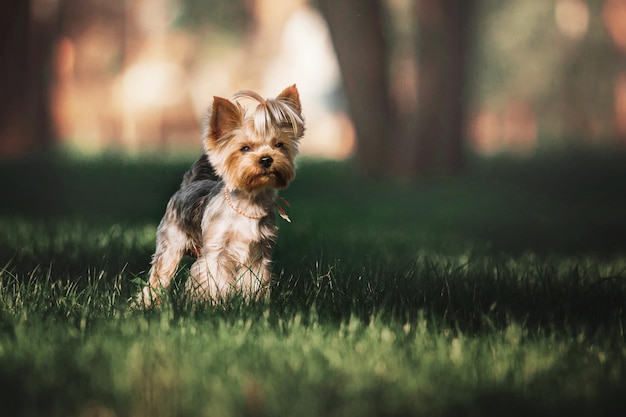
(200, 170)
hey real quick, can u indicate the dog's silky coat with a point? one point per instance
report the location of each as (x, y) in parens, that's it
(223, 213)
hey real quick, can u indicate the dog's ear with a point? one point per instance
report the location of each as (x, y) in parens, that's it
(224, 116)
(291, 95)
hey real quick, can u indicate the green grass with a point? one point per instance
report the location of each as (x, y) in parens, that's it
(499, 293)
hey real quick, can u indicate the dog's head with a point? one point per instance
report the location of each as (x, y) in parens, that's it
(255, 151)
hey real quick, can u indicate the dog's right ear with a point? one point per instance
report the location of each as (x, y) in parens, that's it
(223, 117)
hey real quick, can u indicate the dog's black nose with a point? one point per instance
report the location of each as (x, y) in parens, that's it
(266, 161)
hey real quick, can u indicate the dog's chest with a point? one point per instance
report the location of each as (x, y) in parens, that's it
(227, 231)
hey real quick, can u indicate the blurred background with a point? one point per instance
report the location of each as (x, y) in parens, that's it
(404, 87)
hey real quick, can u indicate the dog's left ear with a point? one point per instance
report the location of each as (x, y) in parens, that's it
(291, 94)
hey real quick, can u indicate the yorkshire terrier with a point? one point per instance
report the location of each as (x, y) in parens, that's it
(223, 213)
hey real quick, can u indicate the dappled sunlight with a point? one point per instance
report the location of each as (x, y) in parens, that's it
(139, 75)
(572, 17)
(513, 130)
(544, 76)
(147, 84)
(614, 15)
(150, 88)
(131, 80)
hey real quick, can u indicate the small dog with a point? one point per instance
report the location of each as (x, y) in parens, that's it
(222, 215)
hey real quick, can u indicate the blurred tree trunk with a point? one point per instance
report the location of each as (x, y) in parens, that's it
(356, 30)
(25, 56)
(443, 33)
(433, 141)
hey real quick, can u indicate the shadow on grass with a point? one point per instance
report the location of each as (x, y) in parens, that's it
(111, 187)
(554, 203)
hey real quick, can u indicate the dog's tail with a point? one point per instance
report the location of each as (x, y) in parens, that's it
(200, 170)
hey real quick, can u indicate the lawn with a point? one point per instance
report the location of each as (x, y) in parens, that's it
(501, 292)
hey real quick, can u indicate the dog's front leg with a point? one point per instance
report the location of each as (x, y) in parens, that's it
(209, 279)
(254, 283)
(170, 248)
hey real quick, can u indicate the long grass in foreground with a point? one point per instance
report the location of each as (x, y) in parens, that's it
(495, 293)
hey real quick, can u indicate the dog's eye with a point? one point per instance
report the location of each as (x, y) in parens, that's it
(279, 145)
(245, 149)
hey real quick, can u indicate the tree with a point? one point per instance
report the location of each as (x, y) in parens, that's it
(357, 33)
(434, 142)
(25, 56)
(443, 30)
